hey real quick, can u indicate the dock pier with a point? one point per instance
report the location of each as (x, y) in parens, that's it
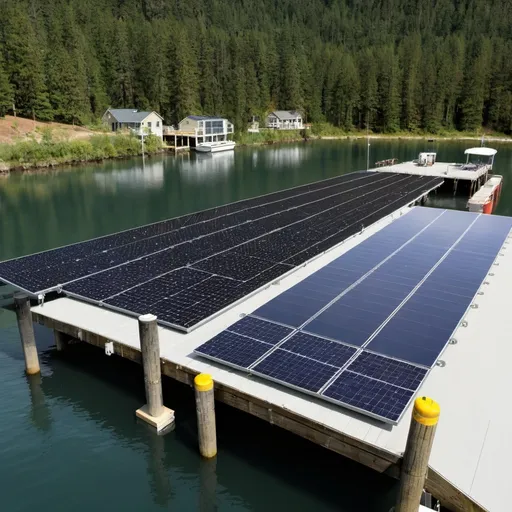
(463, 453)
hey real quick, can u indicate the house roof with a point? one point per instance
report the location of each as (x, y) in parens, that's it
(286, 114)
(204, 118)
(130, 115)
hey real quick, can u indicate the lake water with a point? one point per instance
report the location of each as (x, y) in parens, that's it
(69, 439)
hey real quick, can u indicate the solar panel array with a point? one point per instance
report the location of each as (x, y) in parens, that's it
(364, 331)
(186, 269)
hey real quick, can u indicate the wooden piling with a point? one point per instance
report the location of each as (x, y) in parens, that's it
(154, 412)
(26, 328)
(205, 408)
(417, 452)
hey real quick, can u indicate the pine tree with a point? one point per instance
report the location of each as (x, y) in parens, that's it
(369, 88)
(475, 90)
(6, 92)
(388, 90)
(185, 77)
(24, 63)
(411, 63)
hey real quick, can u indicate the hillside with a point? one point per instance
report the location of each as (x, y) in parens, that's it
(13, 129)
(411, 65)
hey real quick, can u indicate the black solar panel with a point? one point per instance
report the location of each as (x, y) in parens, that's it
(364, 331)
(187, 269)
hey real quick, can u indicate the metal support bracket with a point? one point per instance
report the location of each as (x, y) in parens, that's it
(109, 348)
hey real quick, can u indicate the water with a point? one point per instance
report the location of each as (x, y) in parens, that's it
(69, 440)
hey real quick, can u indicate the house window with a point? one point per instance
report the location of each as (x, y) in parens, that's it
(149, 124)
(158, 124)
(214, 127)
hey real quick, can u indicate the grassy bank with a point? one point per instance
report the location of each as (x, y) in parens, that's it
(328, 131)
(268, 137)
(49, 152)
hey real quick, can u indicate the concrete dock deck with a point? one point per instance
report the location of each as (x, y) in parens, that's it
(445, 170)
(469, 461)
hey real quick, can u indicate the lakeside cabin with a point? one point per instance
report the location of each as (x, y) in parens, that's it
(138, 121)
(285, 120)
(196, 129)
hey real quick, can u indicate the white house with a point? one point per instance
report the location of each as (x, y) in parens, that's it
(206, 128)
(136, 120)
(285, 120)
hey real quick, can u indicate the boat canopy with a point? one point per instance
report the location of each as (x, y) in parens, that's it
(481, 151)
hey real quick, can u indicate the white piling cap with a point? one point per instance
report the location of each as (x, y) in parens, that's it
(147, 318)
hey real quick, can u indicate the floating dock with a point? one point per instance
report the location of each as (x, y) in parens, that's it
(474, 173)
(465, 469)
(468, 465)
(486, 199)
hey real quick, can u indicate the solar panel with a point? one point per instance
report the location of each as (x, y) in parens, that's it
(200, 264)
(365, 330)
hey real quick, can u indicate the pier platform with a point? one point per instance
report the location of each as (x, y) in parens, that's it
(469, 461)
(445, 170)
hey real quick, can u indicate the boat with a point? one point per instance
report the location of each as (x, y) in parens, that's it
(487, 197)
(215, 147)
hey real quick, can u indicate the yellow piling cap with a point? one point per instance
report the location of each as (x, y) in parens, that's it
(426, 411)
(203, 382)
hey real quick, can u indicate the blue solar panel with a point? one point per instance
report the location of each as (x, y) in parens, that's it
(376, 398)
(295, 370)
(370, 325)
(388, 370)
(260, 330)
(325, 351)
(234, 349)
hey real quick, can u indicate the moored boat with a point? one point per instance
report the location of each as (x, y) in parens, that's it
(215, 147)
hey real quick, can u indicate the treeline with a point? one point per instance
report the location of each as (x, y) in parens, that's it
(395, 64)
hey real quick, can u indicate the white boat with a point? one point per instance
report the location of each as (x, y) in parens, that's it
(215, 147)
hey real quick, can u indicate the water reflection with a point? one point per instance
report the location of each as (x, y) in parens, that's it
(286, 156)
(159, 478)
(206, 167)
(40, 414)
(149, 175)
(208, 485)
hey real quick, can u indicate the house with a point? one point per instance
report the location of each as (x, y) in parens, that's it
(285, 120)
(136, 120)
(205, 129)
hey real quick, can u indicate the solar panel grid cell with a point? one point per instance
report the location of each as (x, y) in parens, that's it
(362, 393)
(295, 370)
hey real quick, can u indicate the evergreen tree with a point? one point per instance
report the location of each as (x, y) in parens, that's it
(6, 92)
(412, 65)
(388, 90)
(24, 63)
(396, 64)
(184, 88)
(369, 88)
(475, 89)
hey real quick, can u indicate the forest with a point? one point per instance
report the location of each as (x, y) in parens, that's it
(392, 65)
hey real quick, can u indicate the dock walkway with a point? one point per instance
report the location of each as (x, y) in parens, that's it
(469, 461)
(445, 170)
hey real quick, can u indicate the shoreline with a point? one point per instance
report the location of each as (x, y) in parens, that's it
(416, 137)
(42, 167)
(46, 166)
